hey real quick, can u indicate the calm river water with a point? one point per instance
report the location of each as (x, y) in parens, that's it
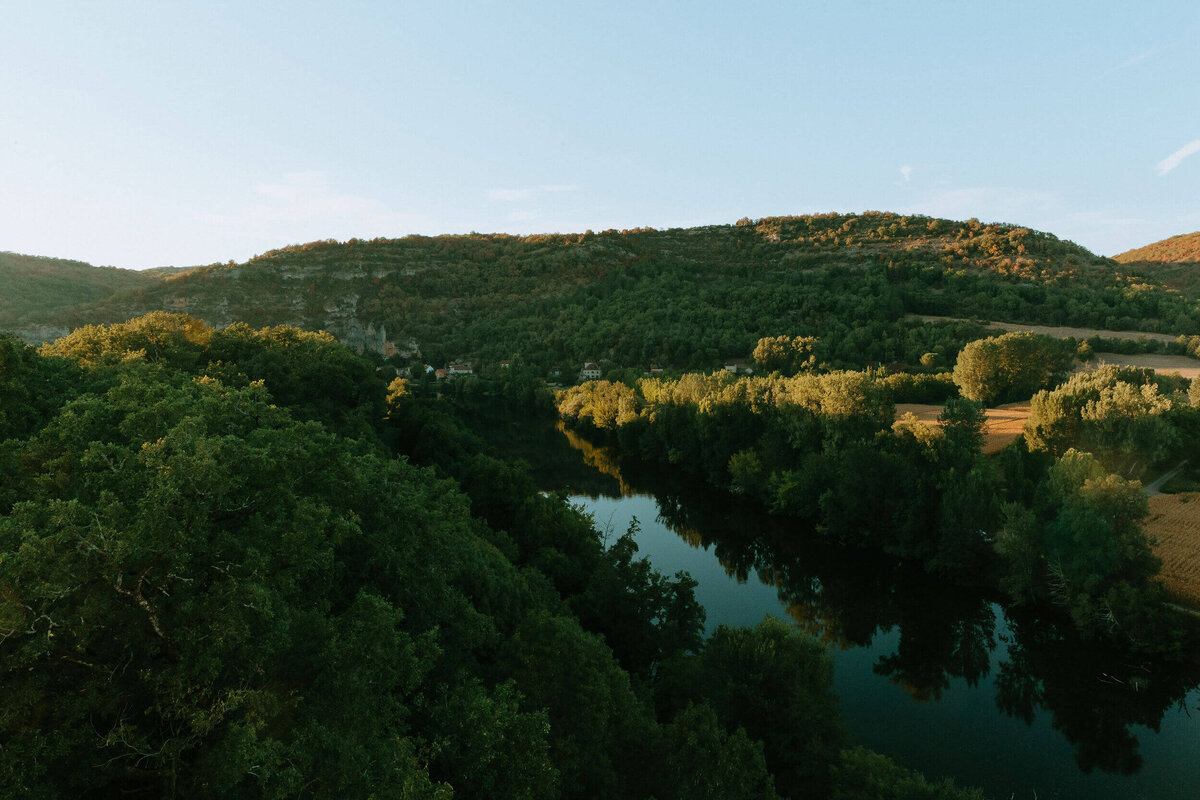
(943, 679)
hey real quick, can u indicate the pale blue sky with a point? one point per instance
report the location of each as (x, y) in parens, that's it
(148, 133)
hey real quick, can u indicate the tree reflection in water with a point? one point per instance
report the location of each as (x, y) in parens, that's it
(1093, 694)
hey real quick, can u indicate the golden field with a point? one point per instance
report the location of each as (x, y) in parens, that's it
(1164, 365)
(1005, 423)
(1174, 521)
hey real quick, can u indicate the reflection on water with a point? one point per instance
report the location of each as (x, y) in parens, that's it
(942, 677)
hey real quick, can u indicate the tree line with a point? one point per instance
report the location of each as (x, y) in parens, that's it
(1055, 518)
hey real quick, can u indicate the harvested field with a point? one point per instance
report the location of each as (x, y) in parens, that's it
(1175, 522)
(1060, 331)
(1004, 424)
(1187, 367)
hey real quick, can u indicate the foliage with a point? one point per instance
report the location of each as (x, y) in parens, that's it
(200, 593)
(646, 619)
(786, 354)
(920, 388)
(776, 685)
(601, 404)
(1011, 367)
(190, 566)
(310, 373)
(863, 775)
(31, 388)
(704, 760)
(1081, 545)
(1122, 415)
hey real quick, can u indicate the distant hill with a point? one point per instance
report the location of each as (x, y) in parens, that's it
(1183, 248)
(1173, 262)
(681, 297)
(33, 288)
(166, 272)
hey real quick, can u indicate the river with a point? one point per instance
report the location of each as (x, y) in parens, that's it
(944, 679)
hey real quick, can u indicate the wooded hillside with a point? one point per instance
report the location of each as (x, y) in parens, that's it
(35, 287)
(680, 298)
(1182, 248)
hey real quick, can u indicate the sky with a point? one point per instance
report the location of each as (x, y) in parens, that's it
(140, 134)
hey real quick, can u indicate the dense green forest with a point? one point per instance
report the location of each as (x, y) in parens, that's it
(1054, 519)
(684, 299)
(234, 563)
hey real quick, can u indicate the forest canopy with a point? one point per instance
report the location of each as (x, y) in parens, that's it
(213, 582)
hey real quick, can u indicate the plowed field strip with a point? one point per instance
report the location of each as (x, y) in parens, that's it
(1174, 522)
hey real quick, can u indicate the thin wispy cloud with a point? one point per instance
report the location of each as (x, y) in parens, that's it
(906, 173)
(1175, 159)
(1129, 62)
(307, 196)
(510, 195)
(519, 195)
(306, 205)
